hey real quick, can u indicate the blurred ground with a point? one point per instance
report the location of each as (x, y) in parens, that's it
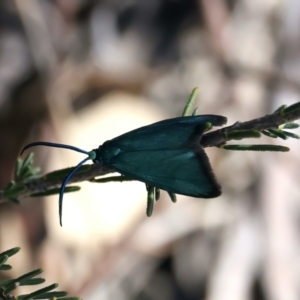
(81, 72)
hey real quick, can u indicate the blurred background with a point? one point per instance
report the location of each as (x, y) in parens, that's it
(83, 71)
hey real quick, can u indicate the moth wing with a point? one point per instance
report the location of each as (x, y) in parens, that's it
(166, 134)
(182, 171)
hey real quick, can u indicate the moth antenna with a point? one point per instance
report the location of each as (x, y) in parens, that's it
(55, 145)
(62, 188)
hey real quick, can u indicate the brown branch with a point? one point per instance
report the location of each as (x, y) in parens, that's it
(210, 139)
(218, 137)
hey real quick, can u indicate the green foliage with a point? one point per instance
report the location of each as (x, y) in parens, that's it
(242, 134)
(291, 125)
(270, 148)
(283, 134)
(150, 200)
(26, 176)
(24, 171)
(272, 132)
(8, 286)
(290, 109)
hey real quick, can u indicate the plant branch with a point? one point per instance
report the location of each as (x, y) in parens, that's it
(218, 137)
(46, 183)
